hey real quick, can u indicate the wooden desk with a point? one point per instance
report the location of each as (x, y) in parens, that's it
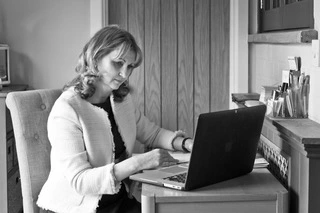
(258, 191)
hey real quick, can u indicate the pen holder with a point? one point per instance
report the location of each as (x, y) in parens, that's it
(293, 103)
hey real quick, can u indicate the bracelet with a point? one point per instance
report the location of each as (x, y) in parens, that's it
(172, 143)
(178, 133)
(183, 145)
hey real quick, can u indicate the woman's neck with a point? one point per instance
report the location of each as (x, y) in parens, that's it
(100, 95)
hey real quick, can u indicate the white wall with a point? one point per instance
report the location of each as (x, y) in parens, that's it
(45, 37)
(266, 62)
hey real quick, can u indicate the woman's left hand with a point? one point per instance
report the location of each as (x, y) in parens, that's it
(189, 144)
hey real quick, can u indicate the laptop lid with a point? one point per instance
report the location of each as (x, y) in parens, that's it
(225, 145)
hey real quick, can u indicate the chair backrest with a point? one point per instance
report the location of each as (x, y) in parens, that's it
(29, 112)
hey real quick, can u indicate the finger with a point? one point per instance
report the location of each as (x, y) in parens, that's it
(169, 158)
(171, 163)
(189, 145)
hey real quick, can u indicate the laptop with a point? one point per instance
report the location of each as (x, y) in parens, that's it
(225, 146)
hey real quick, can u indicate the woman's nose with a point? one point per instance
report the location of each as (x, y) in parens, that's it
(124, 73)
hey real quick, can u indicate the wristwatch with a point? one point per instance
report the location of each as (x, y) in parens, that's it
(183, 145)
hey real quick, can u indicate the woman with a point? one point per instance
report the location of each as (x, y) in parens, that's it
(92, 129)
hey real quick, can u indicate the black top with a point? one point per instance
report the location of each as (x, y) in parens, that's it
(120, 148)
(118, 142)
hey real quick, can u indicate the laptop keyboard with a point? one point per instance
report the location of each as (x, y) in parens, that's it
(181, 178)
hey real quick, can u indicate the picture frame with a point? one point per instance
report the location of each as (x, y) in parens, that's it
(4, 64)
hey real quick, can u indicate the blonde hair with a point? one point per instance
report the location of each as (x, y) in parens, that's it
(101, 44)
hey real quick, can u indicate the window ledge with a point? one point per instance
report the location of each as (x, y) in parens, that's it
(290, 37)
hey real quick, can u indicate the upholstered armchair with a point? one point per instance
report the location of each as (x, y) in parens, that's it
(29, 112)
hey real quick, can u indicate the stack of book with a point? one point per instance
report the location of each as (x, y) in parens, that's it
(242, 99)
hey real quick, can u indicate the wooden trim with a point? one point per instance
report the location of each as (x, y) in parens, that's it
(118, 13)
(98, 18)
(288, 37)
(238, 47)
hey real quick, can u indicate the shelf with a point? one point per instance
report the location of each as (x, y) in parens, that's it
(292, 148)
(304, 131)
(288, 37)
(11, 88)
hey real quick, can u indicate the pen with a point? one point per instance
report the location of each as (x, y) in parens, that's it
(301, 80)
(305, 93)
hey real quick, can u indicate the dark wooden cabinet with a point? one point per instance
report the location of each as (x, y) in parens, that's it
(292, 147)
(10, 185)
(285, 15)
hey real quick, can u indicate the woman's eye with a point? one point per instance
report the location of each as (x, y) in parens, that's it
(118, 63)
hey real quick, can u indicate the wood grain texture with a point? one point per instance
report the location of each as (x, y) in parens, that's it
(117, 13)
(169, 63)
(136, 28)
(186, 57)
(152, 61)
(185, 66)
(201, 58)
(290, 37)
(220, 31)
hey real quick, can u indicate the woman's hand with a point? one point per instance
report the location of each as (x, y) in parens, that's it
(182, 144)
(189, 144)
(149, 160)
(155, 158)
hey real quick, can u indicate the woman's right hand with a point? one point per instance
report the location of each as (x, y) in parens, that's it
(155, 158)
(149, 160)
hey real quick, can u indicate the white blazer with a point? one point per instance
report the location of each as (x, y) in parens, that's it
(82, 155)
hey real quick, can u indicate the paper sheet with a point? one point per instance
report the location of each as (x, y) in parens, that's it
(260, 163)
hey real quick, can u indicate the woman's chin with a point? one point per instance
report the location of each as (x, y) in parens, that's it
(115, 86)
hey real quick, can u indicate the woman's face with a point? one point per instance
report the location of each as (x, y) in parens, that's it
(115, 70)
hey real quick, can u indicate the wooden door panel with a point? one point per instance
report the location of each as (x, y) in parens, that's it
(169, 64)
(185, 70)
(152, 61)
(201, 58)
(220, 24)
(136, 27)
(185, 65)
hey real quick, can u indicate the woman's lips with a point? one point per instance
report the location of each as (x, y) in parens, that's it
(118, 81)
